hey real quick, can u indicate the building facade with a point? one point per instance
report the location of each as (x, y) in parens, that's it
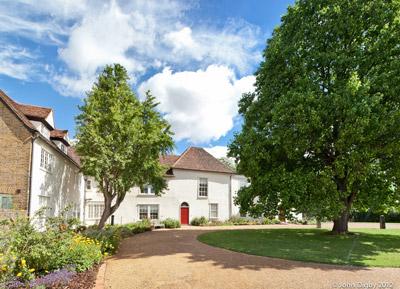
(39, 168)
(197, 185)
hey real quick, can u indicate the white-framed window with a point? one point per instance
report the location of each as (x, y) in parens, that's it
(148, 212)
(88, 184)
(203, 188)
(213, 211)
(44, 202)
(147, 190)
(6, 201)
(46, 160)
(63, 148)
(95, 210)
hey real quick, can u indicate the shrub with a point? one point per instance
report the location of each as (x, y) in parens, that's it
(235, 220)
(199, 221)
(109, 238)
(268, 221)
(171, 223)
(28, 253)
(142, 226)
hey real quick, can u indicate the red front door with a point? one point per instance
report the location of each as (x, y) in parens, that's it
(184, 215)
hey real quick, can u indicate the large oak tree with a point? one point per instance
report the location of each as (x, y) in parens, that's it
(120, 139)
(321, 132)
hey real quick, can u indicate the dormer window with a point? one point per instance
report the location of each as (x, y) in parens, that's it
(63, 148)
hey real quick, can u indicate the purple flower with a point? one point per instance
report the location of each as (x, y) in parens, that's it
(13, 284)
(60, 277)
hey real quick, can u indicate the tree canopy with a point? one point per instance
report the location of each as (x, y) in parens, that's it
(321, 132)
(120, 138)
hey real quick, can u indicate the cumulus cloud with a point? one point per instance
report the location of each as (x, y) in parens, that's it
(217, 151)
(200, 105)
(141, 35)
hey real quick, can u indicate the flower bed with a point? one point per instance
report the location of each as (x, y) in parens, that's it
(58, 254)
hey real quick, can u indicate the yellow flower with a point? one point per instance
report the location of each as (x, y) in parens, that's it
(4, 268)
(32, 270)
(19, 274)
(23, 262)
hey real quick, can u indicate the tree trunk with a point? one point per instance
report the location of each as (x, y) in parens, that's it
(109, 209)
(341, 224)
(106, 213)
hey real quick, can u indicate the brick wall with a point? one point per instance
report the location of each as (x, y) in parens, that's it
(15, 160)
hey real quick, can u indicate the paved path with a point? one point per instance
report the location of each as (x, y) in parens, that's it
(175, 259)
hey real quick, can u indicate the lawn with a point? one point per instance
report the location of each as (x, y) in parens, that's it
(367, 247)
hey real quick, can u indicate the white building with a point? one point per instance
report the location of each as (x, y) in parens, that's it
(39, 166)
(198, 185)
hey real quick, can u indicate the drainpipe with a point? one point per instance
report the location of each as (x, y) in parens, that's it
(35, 135)
(230, 196)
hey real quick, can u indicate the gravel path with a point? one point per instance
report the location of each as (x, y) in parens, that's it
(175, 259)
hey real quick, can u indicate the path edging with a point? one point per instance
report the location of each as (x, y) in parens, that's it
(100, 276)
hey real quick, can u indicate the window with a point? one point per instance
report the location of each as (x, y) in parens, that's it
(46, 160)
(148, 212)
(143, 212)
(63, 148)
(44, 202)
(203, 187)
(147, 190)
(88, 184)
(154, 212)
(213, 211)
(95, 211)
(6, 202)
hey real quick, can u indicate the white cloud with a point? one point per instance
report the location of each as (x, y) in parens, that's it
(141, 35)
(200, 105)
(218, 151)
(15, 62)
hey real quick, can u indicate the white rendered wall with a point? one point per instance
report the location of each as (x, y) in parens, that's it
(63, 185)
(238, 181)
(182, 187)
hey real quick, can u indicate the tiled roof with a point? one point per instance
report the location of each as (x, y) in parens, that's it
(168, 160)
(73, 155)
(24, 112)
(197, 159)
(57, 133)
(12, 105)
(31, 111)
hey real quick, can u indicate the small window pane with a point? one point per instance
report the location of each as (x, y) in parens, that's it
(6, 202)
(143, 212)
(154, 212)
(213, 211)
(203, 187)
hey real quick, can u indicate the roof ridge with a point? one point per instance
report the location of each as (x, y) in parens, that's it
(11, 105)
(32, 105)
(180, 157)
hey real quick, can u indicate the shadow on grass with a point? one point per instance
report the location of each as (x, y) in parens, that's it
(295, 244)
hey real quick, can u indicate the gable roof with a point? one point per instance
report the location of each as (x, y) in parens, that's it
(58, 133)
(197, 159)
(25, 112)
(12, 105)
(32, 111)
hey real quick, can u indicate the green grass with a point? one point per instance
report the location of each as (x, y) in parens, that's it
(367, 247)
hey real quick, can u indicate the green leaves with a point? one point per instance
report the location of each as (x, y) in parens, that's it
(322, 130)
(121, 138)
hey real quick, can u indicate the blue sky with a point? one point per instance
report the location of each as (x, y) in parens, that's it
(197, 57)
